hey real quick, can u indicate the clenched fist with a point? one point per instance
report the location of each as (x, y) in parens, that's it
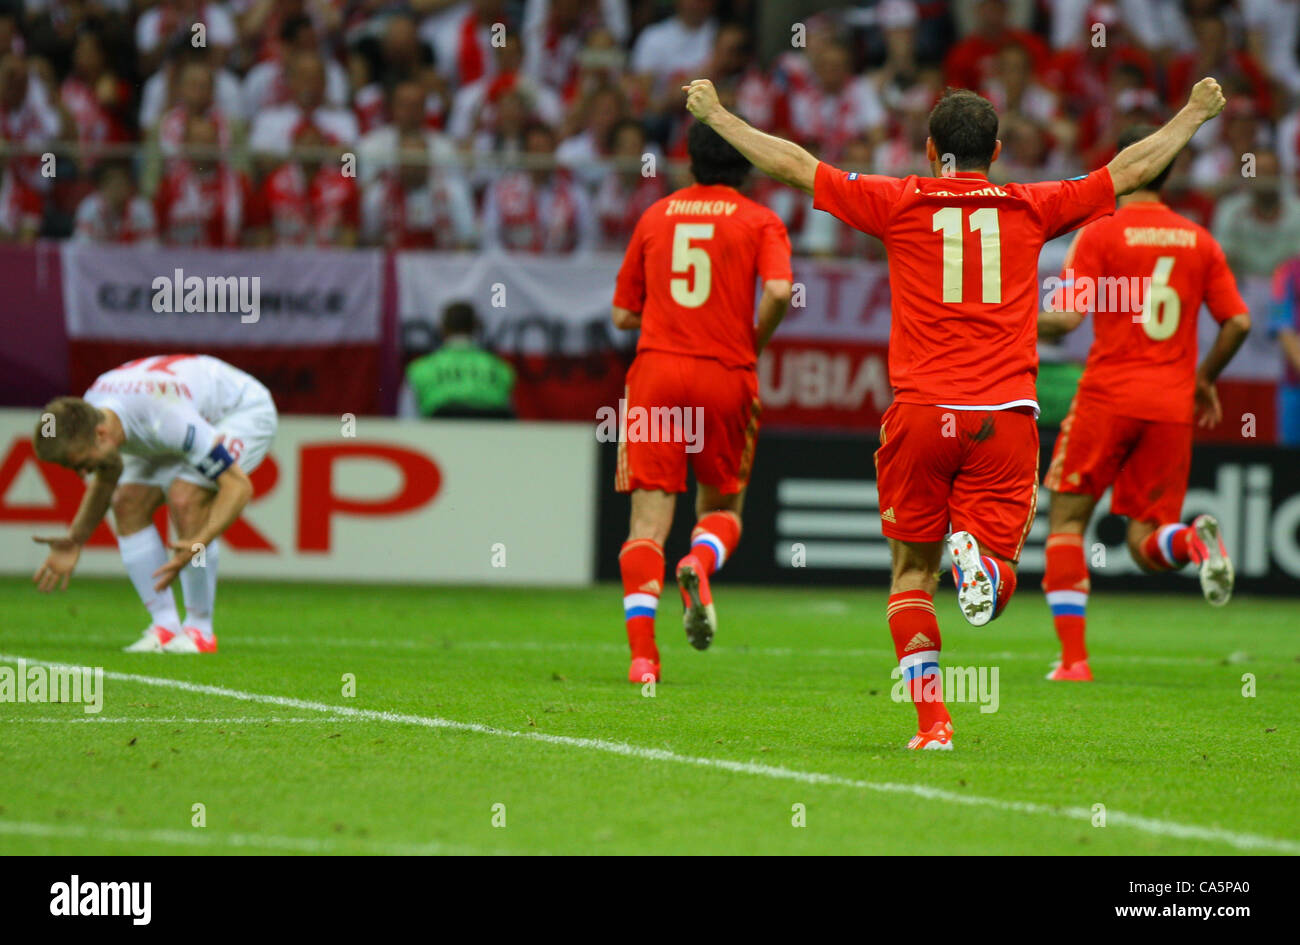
(1207, 98)
(702, 100)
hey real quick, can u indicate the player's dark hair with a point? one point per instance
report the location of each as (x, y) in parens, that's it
(713, 159)
(1132, 135)
(458, 318)
(964, 125)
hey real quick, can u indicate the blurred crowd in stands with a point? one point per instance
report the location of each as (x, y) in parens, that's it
(549, 125)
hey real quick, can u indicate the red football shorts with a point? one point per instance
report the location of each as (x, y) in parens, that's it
(976, 470)
(682, 410)
(1147, 461)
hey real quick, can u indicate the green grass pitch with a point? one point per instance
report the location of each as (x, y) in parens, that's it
(469, 699)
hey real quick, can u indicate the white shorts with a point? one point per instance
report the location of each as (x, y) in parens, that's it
(249, 430)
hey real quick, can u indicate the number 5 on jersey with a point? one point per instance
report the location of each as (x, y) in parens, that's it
(985, 222)
(692, 290)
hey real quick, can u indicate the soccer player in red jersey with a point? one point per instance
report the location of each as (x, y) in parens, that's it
(1142, 274)
(687, 282)
(959, 443)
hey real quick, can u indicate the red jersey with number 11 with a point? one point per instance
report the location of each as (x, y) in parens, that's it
(963, 274)
(690, 269)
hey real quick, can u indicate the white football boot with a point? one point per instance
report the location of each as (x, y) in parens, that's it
(181, 643)
(1209, 554)
(151, 641)
(976, 595)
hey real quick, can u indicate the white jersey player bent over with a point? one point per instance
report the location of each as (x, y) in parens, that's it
(180, 429)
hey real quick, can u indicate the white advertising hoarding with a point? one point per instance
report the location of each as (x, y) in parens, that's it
(399, 501)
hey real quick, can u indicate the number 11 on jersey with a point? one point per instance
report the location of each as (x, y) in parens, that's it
(985, 222)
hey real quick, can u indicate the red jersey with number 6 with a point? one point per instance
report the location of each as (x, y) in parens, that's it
(963, 274)
(691, 269)
(1143, 274)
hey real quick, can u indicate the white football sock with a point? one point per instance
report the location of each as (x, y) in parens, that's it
(143, 554)
(199, 588)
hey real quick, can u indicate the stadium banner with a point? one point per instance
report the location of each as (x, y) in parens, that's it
(324, 343)
(378, 501)
(826, 368)
(549, 316)
(812, 516)
(823, 385)
(34, 361)
(307, 322)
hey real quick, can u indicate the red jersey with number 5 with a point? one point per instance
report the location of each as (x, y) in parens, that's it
(963, 274)
(1143, 274)
(691, 269)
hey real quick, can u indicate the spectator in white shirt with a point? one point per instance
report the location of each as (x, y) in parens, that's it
(193, 95)
(266, 84)
(555, 32)
(413, 191)
(1259, 225)
(1013, 90)
(377, 150)
(175, 21)
(165, 88)
(474, 100)
(680, 43)
(583, 151)
(540, 210)
(28, 117)
(273, 130)
(1272, 27)
(836, 106)
(461, 39)
(669, 52)
(114, 212)
(1243, 133)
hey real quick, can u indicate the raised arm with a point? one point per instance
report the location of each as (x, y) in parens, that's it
(1139, 163)
(777, 158)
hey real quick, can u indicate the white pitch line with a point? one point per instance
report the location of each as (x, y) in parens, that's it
(246, 720)
(1164, 828)
(199, 837)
